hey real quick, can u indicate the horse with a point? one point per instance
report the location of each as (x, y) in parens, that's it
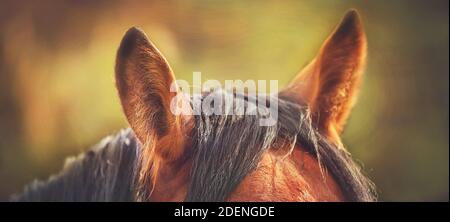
(164, 156)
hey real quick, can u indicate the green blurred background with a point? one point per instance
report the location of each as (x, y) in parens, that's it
(57, 96)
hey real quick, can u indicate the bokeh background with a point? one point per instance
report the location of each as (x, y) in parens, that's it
(57, 96)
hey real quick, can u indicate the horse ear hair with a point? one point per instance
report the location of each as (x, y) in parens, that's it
(144, 79)
(329, 84)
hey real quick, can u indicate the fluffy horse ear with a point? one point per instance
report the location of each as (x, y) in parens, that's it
(329, 84)
(143, 80)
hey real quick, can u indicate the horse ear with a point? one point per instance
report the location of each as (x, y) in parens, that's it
(329, 84)
(143, 80)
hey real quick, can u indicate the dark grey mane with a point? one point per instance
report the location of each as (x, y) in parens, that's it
(226, 148)
(104, 173)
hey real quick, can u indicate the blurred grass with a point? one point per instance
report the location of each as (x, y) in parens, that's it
(57, 95)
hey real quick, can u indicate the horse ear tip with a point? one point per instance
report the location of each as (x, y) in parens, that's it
(352, 13)
(130, 40)
(134, 33)
(135, 30)
(352, 16)
(350, 25)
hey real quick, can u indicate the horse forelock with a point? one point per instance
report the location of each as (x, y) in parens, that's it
(226, 148)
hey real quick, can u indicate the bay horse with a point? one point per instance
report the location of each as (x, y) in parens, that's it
(168, 157)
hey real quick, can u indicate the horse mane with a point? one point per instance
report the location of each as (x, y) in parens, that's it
(104, 173)
(226, 148)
